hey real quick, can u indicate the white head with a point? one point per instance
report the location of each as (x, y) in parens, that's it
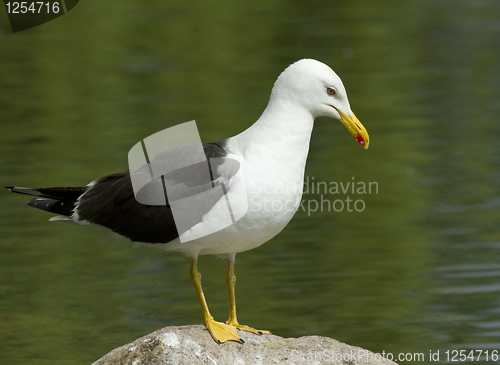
(318, 89)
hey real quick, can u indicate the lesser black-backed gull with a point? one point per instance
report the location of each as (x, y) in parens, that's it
(271, 153)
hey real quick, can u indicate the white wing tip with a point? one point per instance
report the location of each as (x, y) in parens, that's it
(61, 219)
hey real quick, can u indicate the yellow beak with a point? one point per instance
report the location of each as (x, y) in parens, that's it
(357, 129)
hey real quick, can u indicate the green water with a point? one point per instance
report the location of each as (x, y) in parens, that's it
(417, 270)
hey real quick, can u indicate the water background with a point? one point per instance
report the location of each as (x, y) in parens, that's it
(417, 270)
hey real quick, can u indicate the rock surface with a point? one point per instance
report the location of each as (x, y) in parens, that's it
(194, 345)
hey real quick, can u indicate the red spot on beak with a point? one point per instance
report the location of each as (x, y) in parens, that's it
(360, 139)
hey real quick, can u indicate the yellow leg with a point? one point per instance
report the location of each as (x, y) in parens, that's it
(220, 332)
(233, 321)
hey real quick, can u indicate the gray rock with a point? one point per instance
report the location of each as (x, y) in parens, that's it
(194, 345)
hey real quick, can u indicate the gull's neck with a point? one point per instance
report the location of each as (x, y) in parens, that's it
(281, 135)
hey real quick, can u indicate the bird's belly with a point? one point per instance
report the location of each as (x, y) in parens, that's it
(267, 214)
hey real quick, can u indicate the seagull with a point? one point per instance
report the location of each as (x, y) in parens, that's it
(271, 157)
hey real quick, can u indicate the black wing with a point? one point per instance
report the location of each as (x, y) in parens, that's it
(110, 202)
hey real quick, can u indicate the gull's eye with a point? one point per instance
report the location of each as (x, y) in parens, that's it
(331, 91)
